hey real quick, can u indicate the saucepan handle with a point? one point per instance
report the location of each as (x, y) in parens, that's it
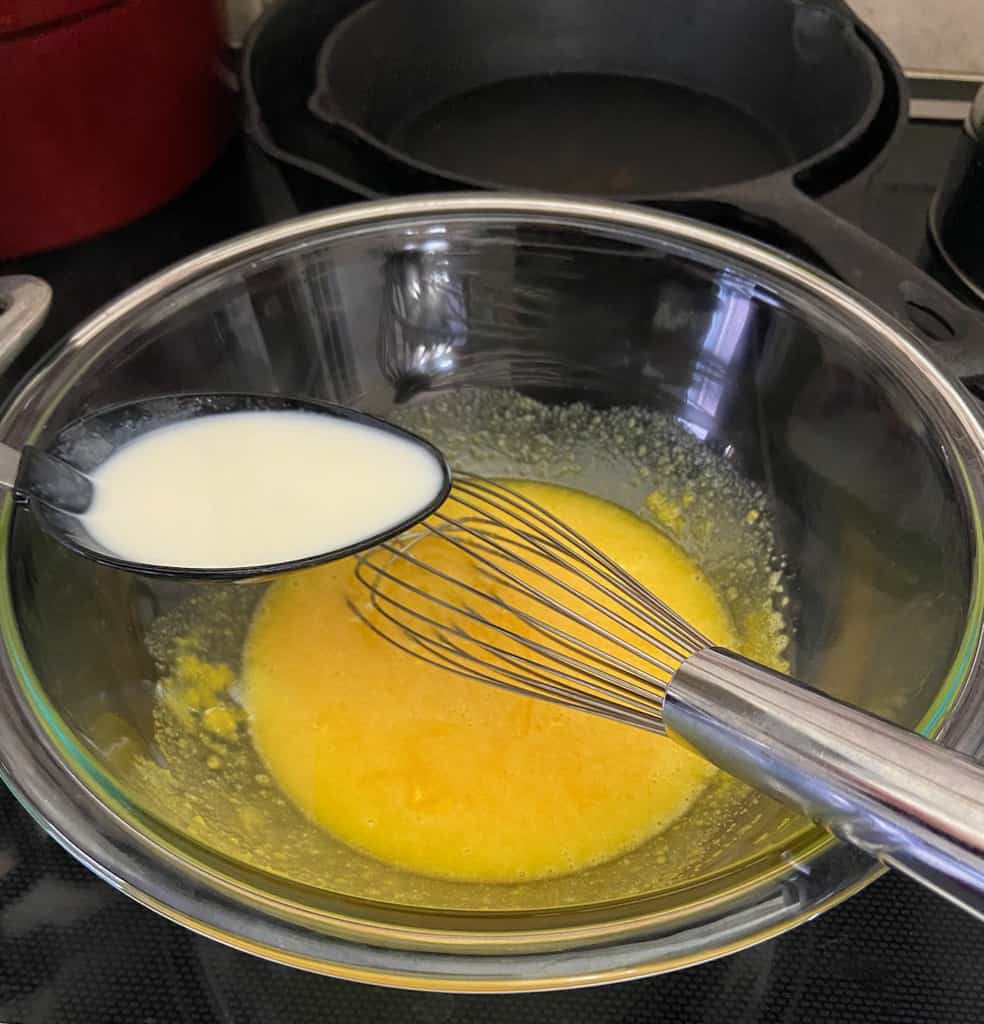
(907, 801)
(397, 173)
(24, 303)
(926, 308)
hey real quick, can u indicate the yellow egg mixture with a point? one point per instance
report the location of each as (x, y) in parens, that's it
(453, 778)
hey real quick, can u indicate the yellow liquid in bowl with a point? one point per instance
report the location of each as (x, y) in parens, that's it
(452, 778)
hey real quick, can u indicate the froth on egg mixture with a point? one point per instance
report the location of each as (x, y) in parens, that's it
(292, 737)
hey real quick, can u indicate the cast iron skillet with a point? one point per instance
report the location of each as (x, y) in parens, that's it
(626, 99)
(796, 101)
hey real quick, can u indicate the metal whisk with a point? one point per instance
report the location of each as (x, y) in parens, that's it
(497, 589)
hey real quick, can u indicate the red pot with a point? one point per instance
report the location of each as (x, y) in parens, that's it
(110, 108)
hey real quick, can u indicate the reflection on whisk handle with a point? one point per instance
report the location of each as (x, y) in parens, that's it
(901, 798)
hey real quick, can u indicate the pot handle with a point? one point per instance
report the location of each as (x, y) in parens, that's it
(909, 802)
(953, 332)
(402, 172)
(24, 303)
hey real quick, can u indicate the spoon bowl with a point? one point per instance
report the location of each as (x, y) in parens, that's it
(56, 481)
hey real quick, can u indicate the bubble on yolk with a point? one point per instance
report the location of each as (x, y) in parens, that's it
(453, 778)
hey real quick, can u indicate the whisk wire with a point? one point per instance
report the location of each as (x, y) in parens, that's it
(546, 548)
(380, 602)
(558, 618)
(497, 572)
(501, 497)
(518, 683)
(528, 678)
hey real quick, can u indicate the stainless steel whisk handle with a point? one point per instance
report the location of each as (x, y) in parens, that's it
(894, 794)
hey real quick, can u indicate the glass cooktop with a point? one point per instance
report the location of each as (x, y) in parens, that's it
(74, 951)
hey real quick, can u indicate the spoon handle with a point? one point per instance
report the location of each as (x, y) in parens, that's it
(24, 302)
(9, 466)
(33, 473)
(905, 800)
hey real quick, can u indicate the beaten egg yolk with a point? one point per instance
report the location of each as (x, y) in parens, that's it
(449, 777)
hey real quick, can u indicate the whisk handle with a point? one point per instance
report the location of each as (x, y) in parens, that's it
(894, 794)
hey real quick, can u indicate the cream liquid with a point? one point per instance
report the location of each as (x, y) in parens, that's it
(257, 488)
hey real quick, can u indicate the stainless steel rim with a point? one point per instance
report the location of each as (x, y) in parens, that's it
(200, 898)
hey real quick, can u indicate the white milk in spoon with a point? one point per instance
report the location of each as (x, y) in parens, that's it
(238, 489)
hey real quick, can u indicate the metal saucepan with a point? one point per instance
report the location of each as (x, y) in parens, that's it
(642, 350)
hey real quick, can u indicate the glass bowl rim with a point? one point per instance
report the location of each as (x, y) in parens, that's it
(91, 830)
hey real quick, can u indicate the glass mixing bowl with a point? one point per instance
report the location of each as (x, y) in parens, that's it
(622, 351)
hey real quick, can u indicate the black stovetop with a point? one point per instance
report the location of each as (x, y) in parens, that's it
(73, 951)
